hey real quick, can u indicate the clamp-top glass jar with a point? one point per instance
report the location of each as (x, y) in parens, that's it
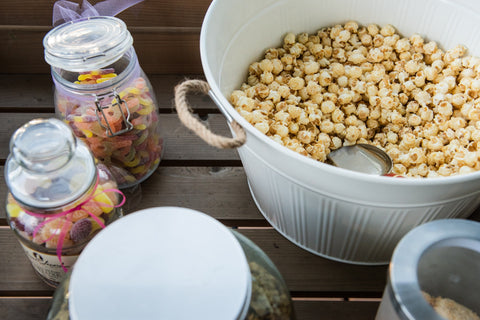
(104, 95)
(59, 199)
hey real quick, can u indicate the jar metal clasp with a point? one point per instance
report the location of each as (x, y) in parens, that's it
(103, 119)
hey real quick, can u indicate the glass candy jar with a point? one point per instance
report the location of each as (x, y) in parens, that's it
(104, 95)
(174, 263)
(58, 197)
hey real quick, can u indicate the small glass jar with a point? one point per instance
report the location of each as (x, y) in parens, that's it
(434, 273)
(59, 199)
(104, 95)
(174, 263)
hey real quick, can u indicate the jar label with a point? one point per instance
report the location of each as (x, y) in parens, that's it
(47, 265)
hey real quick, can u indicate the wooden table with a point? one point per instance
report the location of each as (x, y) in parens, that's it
(191, 173)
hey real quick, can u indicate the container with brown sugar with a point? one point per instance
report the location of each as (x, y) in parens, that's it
(434, 273)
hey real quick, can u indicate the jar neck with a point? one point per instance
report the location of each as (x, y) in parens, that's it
(82, 197)
(127, 68)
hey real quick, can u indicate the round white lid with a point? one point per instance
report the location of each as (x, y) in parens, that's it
(161, 263)
(88, 44)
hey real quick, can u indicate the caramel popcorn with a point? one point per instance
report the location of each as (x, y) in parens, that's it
(351, 84)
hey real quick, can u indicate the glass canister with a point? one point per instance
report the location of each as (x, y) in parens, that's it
(104, 95)
(435, 273)
(59, 199)
(172, 263)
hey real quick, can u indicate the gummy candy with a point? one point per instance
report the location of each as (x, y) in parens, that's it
(46, 231)
(131, 156)
(81, 230)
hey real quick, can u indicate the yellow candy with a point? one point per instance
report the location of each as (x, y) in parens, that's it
(130, 178)
(13, 210)
(131, 155)
(145, 102)
(134, 91)
(87, 133)
(82, 77)
(146, 110)
(133, 163)
(102, 80)
(140, 127)
(142, 138)
(129, 90)
(95, 225)
(123, 94)
(103, 200)
(138, 169)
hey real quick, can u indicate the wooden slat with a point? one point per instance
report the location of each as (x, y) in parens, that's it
(180, 142)
(220, 192)
(159, 50)
(24, 308)
(181, 13)
(16, 272)
(334, 310)
(37, 309)
(35, 92)
(303, 272)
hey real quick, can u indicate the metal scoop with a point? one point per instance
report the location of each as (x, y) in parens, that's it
(364, 158)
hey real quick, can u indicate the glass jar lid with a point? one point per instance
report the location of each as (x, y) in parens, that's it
(48, 167)
(87, 44)
(161, 263)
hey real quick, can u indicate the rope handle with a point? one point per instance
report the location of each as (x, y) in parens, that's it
(185, 114)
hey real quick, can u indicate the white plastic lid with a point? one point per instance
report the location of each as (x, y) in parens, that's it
(161, 263)
(85, 45)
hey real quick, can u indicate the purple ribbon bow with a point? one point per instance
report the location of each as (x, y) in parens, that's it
(65, 11)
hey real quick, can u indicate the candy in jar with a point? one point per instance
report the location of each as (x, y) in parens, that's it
(58, 197)
(175, 263)
(104, 95)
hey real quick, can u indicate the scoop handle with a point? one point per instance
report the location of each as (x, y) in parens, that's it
(187, 118)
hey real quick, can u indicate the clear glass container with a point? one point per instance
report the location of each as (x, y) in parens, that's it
(59, 198)
(104, 95)
(182, 264)
(434, 273)
(270, 297)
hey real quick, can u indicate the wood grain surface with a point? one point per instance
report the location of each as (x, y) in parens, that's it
(36, 308)
(191, 174)
(149, 13)
(34, 92)
(166, 34)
